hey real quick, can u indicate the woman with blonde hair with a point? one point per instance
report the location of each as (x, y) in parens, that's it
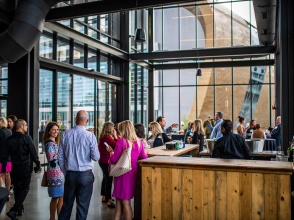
(124, 185)
(198, 134)
(108, 137)
(55, 176)
(4, 134)
(158, 137)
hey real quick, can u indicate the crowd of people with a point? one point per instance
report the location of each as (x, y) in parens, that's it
(70, 170)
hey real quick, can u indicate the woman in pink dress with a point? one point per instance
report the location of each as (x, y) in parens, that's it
(124, 185)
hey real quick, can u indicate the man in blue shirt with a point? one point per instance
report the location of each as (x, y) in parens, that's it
(78, 147)
(216, 130)
(276, 132)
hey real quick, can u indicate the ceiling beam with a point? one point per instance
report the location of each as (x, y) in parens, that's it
(68, 68)
(243, 63)
(71, 33)
(205, 53)
(107, 6)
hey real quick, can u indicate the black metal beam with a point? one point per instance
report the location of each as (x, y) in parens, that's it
(206, 53)
(70, 69)
(214, 64)
(77, 36)
(107, 6)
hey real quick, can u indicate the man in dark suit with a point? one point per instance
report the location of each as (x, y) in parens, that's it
(276, 132)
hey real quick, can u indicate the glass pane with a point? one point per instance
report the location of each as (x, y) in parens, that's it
(207, 77)
(171, 77)
(145, 26)
(242, 104)
(64, 108)
(65, 22)
(62, 50)
(254, 34)
(158, 78)
(79, 59)
(171, 29)
(145, 77)
(241, 75)
(4, 87)
(222, 25)
(80, 27)
(204, 26)
(205, 102)
(241, 21)
(261, 105)
(103, 64)
(115, 25)
(3, 108)
(139, 104)
(223, 75)
(45, 99)
(4, 71)
(145, 109)
(223, 101)
(273, 74)
(157, 30)
(139, 75)
(46, 45)
(259, 74)
(188, 27)
(104, 23)
(83, 99)
(188, 77)
(92, 60)
(115, 66)
(92, 21)
(101, 104)
(171, 105)
(112, 103)
(133, 90)
(273, 103)
(157, 102)
(188, 104)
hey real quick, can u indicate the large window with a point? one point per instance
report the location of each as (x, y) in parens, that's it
(250, 94)
(139, 91)
(3, 89)
(84, 98)
(64, 96)
(199, 24)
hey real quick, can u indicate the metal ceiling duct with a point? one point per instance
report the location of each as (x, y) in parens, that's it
(265, 14)
(25, 30)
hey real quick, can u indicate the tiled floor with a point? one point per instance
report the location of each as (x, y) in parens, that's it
(37, 202)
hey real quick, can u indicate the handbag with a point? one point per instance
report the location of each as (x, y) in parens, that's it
(123, 165)
(44, 182)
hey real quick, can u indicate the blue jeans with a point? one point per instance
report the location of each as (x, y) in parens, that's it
(79, 186)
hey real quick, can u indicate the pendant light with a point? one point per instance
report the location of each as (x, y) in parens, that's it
(140, 35)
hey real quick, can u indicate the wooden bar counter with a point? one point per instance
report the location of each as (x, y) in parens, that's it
(207, 188)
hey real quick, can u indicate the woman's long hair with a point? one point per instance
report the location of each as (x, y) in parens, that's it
(46, 135)
(198, 127)
(107, 130)
(140, 130)
(126, 130)
(155, 128)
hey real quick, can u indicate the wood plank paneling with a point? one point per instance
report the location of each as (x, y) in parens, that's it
(245, 192)
(221, 195)
(146, 193)
(166, 192)
(177, 205)
(233, 198)
(156, 193)
(270, 196)
(209, 195)
(198, 194)
(284, 197)
(257, 196)
(187, 194)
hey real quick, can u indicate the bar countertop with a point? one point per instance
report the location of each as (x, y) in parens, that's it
(220, 164)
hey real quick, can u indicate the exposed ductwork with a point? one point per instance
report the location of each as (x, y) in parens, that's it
(265, 14)
(25, 30)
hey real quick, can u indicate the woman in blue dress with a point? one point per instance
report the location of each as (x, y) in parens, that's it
(55, 176)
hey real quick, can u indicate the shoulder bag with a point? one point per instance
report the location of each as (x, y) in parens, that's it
(44, 180)
(123, 165)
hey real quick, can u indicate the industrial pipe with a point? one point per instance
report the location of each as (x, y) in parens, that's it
(25, 30)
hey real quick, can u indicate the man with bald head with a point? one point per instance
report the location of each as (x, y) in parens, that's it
(78, 147)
